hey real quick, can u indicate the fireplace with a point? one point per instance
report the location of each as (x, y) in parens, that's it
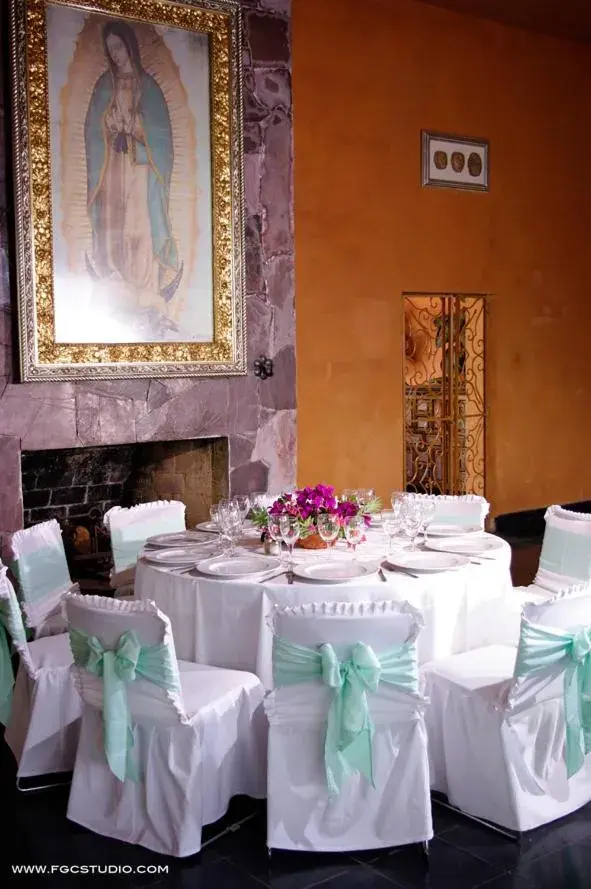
(77, 486)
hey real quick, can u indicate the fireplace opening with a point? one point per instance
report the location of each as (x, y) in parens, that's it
(77, 486)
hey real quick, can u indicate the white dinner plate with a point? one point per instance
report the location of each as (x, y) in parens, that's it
(212, 527)
(172, 558)
(467, 546)
(426, 561)
(181, 538)
(334, 571)
(445, 530)
(242, 566)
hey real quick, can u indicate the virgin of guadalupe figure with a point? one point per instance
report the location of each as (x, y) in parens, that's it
(129, 163)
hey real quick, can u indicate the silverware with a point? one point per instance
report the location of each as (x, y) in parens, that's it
(408, 573)
(382, 575)
(290, 577)
(183, 570)
(273, 576)
(450, 552)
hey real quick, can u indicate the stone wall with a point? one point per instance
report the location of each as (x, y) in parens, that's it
(258, 417)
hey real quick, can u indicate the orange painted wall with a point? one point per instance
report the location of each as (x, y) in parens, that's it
(367, 77)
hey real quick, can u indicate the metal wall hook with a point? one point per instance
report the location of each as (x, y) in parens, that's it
(263, 367)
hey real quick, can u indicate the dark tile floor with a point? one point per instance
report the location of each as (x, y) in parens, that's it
(463, 855)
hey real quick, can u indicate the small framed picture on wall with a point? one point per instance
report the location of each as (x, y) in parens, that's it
(454, 161)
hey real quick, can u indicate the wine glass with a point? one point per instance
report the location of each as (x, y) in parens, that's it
(365, 496)
(355, 528)
(412, 521)
(397, 497)
(427, 515)
(392, 523)
(230, 519)
(274, 531)
(328, 528)
(290, 533)
(350, 495)
(242, 501)
(214, 514)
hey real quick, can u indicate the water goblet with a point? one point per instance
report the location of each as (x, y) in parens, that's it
(242, 501)
(365, 496)
(290, 533)
(349, 495)
(230, 519)
(427, 515)
(412, 521)
(328, 529)
(274, 531)
(214, 514)
(355, 528)
(392, 524)
(397, 497)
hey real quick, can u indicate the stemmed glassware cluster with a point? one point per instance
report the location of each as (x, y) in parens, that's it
(409, 516)
(229, 515)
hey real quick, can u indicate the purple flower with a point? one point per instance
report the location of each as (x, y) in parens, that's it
(308, 503)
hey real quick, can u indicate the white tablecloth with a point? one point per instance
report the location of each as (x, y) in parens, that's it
(224, 623)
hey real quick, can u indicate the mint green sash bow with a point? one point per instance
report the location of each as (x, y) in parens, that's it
(6, 677)
(348, 745)
(541, 648)
(117, 668)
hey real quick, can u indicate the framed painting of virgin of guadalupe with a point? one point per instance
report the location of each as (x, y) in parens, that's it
(127, 132)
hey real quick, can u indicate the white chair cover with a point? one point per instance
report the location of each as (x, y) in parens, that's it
(41, 572)
(265, 501)
(129, 528)
(44, 723)
(300, 812)
(468, 510)
(566, 550)
(195, 749)
(505, 627)
(496, 741)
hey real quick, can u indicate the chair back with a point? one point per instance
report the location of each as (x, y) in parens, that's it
(349, 666)
(107, 620)
(130, 528)
(12, 630)
(379, 624)
(266, 501)
(12, 617)
(566, 550)
(467, 510)
(40, 569)
(567, 614)
(553, 668)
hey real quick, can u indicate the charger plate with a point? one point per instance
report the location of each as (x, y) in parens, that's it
(173, 558)
(181, 538)
(212, 527)
(442, 529)
(238, 567)
(427, 562)
(467, 546)
(334, 571)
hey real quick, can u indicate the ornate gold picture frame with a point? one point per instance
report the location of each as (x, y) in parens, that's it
(127, 133)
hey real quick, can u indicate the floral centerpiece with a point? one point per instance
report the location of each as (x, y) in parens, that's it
(306, 504)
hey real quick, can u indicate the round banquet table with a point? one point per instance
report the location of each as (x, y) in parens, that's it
(225, 623)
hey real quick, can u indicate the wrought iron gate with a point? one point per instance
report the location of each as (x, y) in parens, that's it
(444, 385)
